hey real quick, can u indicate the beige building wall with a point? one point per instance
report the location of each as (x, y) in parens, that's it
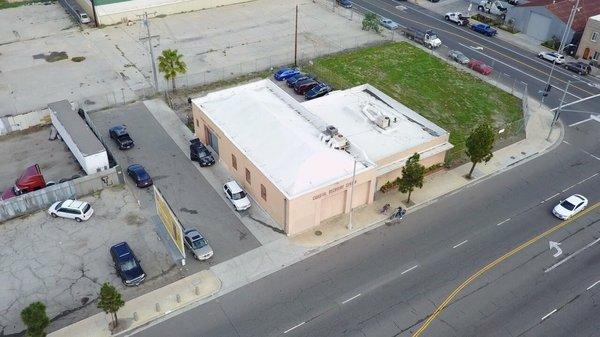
(589, 45)
(427, 162)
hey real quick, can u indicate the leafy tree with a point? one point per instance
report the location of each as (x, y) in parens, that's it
(479, 145)
(110, 301)
(36, 320)
(412, 176)
(170, 63)
(370, 22)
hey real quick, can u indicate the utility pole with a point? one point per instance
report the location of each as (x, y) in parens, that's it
(149, 37)
(557, 111)
(296, 40)
(560, 47)
(352, 195)
(94, 12)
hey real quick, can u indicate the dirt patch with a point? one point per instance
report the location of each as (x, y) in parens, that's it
(78, 59)
(52, 56)
(134, 219)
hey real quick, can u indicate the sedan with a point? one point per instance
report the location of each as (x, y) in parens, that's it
(458, 57)
(389, 24)
(291, 82)
(138, 173)
(480, 67)
(581, 68)
(570, 206)
(127, 265)
(285, 73)
(344, 3)
(552, 56)
(318, 90)
(195, 242)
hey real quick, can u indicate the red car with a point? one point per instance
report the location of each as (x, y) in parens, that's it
(480, 67)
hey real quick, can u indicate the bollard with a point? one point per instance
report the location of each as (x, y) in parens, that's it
(178, 297)
(135, 316)
(157, 307)
(197, 290)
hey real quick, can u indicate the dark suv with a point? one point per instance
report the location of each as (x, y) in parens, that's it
(581, 68)
(303, 86)
(127, 265)
(199, 153)
(121, 137)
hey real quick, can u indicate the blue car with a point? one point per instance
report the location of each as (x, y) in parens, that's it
(484, 29)
(138, 173)
(127, 265)
(295, 79)
(319, 90)
(285, 73)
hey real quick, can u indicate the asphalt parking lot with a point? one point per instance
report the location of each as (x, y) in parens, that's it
(63, 263)
(195, 201)
(20, 150)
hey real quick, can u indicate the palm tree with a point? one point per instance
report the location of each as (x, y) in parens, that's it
(170, 63)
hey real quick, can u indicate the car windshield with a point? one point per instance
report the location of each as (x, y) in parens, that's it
(143, 175)
(567, 205)
(197, 244)
(239, 195)
(86, 208)
(432, 36)
(203, 153)
(129, 265)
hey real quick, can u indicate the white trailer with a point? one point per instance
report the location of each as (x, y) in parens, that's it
(78, 136)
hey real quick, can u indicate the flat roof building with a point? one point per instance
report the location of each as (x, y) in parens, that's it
(297, 159)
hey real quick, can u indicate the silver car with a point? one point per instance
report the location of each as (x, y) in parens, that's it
(458, 57)
(389, 24)
(197, 244)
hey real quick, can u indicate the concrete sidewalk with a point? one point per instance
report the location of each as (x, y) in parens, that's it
(277, 253)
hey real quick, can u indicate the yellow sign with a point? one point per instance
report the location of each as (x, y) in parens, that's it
(169, 220)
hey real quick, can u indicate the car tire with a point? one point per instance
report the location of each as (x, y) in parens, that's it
(78, 219)
(54, 215)
(447, 18)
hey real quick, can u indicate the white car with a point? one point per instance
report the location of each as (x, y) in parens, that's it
(71, 209)
(570, 206)
(236, 195)
(552, 56)
(83, 17)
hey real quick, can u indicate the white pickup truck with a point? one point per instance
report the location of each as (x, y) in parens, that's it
(457, 18)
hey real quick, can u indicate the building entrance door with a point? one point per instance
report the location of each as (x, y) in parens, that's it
(213, 141)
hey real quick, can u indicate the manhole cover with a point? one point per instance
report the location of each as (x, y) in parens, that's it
(318, 233)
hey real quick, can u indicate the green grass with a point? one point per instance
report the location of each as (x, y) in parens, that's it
(455, 100)
(5, 4)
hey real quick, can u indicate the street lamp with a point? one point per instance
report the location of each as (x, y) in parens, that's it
(558, 110)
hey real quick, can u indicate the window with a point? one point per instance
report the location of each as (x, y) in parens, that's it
(197, 123)
(234, 164)
(248, 177)
(595, 36)
(263, 192)
(596, 55)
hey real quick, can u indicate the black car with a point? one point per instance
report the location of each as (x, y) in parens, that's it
(127, 265)
(318, 90)
(121, 137)
(578, 67)
(570, 49)
(138, 173)
(199, 153)
(294, 78)
(291, 83)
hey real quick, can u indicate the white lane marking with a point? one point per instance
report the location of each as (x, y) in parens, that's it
(548, 314)
(581, 122)
(564, 141)
(568, 188)
(516, 69)
(503, 222)
(572, 255)
(590, 287)
(409, 269)
(588, 178)
(551, 197)
(460, 244)
(294, 327)
(351, 298)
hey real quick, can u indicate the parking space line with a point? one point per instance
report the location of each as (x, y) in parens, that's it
(409, 269)
(572, 255)
(351, 298)
(590, 287)
(503, 222)
(294, 327)
(580, 122)
(548, 314)
(550, 197)
(460, 244)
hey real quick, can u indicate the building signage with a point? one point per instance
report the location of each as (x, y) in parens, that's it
(332, 191)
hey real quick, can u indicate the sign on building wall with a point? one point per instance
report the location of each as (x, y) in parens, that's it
(169, 220)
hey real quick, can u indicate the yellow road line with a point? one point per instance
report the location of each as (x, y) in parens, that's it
(491, 265)
(504, 55)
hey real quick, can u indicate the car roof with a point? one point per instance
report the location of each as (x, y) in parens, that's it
(136, 167)
(121, 249)
(575, 199)
(193, 234)
(118, 128)
(75, 204)
(234, 187)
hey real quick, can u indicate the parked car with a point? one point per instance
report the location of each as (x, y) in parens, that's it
(82, 17)
(197, 244)
(458, 57)
(570, 206)
(200, 154)
(236, 195)
(344, 3)
(121, 137)
(457, 18)
(302, 87)
(295, 79)
(71, 209)
(318, 90)
(139, 175)
(389, 24)
(480, 67)
(284, 73)
(484, 29)
(579, 67)
(30, 180)
(570, 49)
(127, 265)
(513, 2)
(552, 56)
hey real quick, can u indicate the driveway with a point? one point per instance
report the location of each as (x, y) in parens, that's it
(195, 201)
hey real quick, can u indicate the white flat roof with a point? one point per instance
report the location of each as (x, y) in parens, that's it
(278, 135)
(352, 112)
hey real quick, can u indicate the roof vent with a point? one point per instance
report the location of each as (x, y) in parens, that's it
(331, 131)
(338, 142)
(383, 122)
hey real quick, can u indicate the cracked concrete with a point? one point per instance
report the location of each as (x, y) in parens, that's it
(63, 263)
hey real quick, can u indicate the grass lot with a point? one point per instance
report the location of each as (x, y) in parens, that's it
(453, 99)
(5, 4)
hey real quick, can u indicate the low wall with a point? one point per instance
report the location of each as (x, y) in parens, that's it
(42, 199)
(24, 121)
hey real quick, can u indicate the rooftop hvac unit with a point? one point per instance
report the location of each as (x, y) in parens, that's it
(331, 131)
(383, 122)
(338, 142)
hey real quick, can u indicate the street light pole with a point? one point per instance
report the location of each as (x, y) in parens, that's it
(352, 195)
(149, 37)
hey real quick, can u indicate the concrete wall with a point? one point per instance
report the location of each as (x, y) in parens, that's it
(24, 121)
(588, 48)
(42, 199)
